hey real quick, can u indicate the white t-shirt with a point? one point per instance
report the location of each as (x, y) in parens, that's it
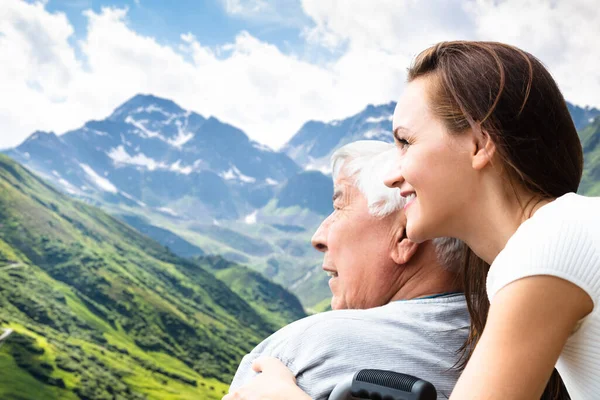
(562, 239)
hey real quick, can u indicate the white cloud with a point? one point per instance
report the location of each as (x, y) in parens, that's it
(400, 28)
(287, 13)
(254, 85)
(245, 6)
(562, 34)
(36, 69)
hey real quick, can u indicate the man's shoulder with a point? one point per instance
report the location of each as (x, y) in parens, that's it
(335, 317)
(418, 337)
(326, 322)
(322, 348)
(434, 314)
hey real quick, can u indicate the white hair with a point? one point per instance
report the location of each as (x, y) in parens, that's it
(366, 162)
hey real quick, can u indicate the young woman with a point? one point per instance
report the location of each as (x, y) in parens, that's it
(488, 153)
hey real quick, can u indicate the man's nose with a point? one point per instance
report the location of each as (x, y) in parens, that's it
(319, 239)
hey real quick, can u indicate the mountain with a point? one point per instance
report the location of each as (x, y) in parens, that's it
(313, 144)
(300, 204)
(309, 190)
(165, 237)
(152, 153)
(194, 184)
(271, 301)
(311, 147)
(582, 116)
(101, 311)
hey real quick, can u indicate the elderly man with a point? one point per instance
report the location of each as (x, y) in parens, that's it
(397, 305)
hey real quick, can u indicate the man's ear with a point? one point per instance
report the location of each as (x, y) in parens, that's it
(404, 250)
(484, 149)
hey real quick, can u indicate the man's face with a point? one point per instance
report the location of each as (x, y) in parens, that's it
(357, 250)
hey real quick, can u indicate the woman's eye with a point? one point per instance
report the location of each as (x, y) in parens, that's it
(402, 143)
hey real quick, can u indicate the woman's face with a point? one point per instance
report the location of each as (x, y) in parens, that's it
(434, 168)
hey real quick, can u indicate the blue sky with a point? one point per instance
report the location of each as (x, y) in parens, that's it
(265, 66)
(208, 20)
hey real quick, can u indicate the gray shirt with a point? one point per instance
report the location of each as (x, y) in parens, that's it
(419, 337)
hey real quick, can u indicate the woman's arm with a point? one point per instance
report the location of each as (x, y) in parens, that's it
(528, 325)
(275, 382)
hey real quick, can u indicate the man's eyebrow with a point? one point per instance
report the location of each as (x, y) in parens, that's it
(337, 193)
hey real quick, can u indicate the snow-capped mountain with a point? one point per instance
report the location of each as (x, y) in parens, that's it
(152, 153)
(312, 146)
(194, 184)
(582, 116)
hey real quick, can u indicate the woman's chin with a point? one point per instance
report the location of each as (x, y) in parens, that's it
(415, 234)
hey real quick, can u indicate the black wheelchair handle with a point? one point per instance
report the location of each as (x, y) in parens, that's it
(383, 385)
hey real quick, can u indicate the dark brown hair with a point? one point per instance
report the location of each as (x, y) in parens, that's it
(506, 93)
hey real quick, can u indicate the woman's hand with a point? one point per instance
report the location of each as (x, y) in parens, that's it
(274, 382)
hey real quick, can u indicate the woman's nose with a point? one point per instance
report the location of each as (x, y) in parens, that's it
(394, 177)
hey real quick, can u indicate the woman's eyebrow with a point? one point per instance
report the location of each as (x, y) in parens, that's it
(398, 129)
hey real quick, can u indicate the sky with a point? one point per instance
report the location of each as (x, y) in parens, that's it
(265, 66)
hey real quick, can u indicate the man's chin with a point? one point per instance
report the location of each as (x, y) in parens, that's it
(336, 304)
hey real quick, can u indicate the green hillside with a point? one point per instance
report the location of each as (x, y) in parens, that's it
(590, 139)
(102, 312)
(282, 253)
(323, 306)
(270, 300)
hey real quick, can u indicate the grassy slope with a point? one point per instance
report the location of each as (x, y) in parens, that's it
(270, 300)
(323, 306)
(291, 264)
(102, 311)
